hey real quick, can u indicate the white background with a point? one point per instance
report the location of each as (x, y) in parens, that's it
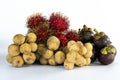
(101, 14)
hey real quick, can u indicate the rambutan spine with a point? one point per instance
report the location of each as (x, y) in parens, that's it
(35, 20)
(72, 35)
(42, 33)
(62, 38)
(59, 22)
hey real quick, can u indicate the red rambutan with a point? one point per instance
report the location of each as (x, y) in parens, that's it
(72, 35)
(42, 33)
(62, 38)
(59, 22)
(34, 20)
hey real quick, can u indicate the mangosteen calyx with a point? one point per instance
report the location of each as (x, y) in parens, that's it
(108, 49)
(86, 34)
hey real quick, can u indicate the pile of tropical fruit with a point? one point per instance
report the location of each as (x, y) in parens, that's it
(50, 41)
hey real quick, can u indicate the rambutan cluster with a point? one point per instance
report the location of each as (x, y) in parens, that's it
(43, 27)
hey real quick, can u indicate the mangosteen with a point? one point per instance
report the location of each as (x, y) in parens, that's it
(101, 39)
(86, 34)
(107, 55)
(95, 53)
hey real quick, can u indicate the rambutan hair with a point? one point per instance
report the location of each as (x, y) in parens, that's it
(35, 20)
(72, 35)
(62, 38)
(42, 33)
(59, 22)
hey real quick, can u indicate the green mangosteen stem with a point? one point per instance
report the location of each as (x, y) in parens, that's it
(96, 31)
(107, 50)
(85, 27)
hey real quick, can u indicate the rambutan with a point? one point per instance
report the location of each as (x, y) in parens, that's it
(72, 35)
(42, 33)
(44, 24)
(58, 22)
(35, 20)
(62, 38)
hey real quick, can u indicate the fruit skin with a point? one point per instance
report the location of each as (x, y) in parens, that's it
(34, 47)
(48, 53)
(35, 20)
(72, 35)
(42, 33)
(86, 34)
(106, 59)
(89, 48)
(102, 42)
(71, 56)
(17, 61)
(83, 49)
(68, 65)
(107, 55)
(41, 49)
(51, 61)
(72, 46)
(29, 58)
(31, 37)
(88, 61)
(53, 43)
(9, 58)
(101, 39)
(43, 61)
(59, 57)
(25, 48)
(80, 60)
(58, 22)
(87, 37)
(13, 50)
(62, 38)
(19, 39)
(95, 53)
